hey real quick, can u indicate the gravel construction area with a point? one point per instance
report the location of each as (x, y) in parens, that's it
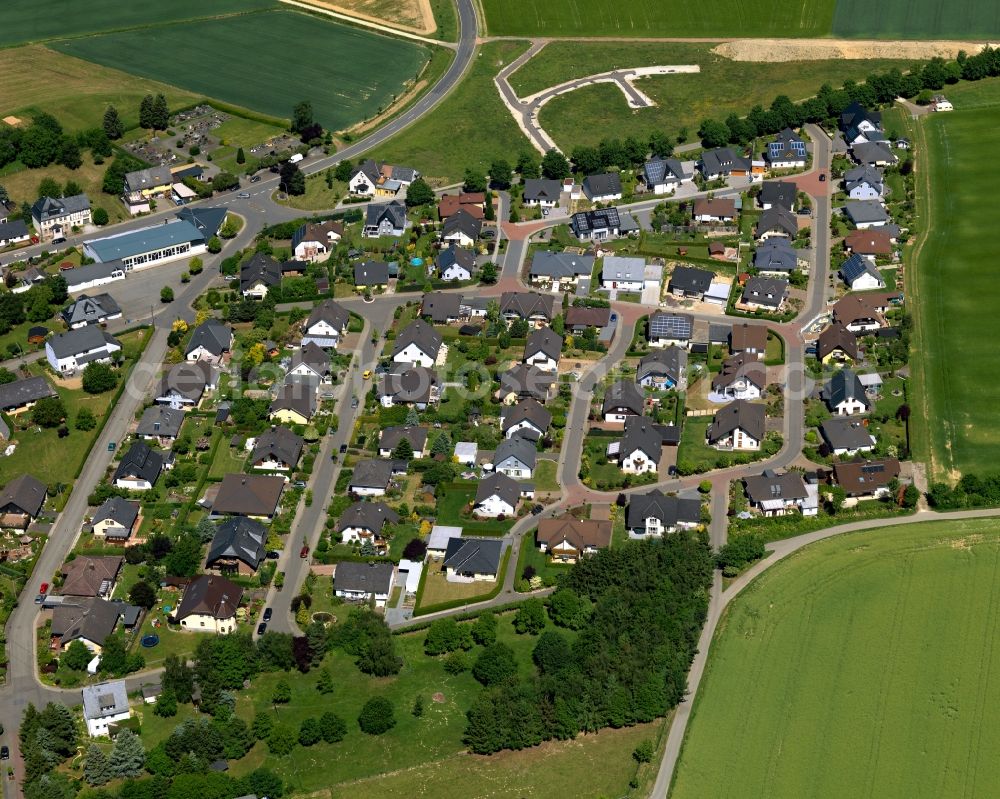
(824, 49)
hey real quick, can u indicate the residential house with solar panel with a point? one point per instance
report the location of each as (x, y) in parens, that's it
(670, 329)
(600, 224)
(774, 494)
(327, 322)
(662, 175)
(603, 188)
(866, 479)
(787, 151)
(860, 274)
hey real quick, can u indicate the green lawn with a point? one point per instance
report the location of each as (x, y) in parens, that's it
(458, 496)
(953, 290)
(24, 22)
(916, 19)
(347, 73)
(694, 455)
(587, 115)
(227, 459)
(468, 129)
(861, 666)
(531, 555)
(665, 18)
(545, 476)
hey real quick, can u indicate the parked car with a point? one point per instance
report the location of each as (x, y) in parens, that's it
(343, 448)
(536, 510)
(243, 195)
(367, 374)
(44, 588)
(255, 179)
(299, 484)
(273, 554)
(304, 552)
(354, 402)
(267, 614)
(39, 599)
(261, 628)
(4, 753)
(822, 178)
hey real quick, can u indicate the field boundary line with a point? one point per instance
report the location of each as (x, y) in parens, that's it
(364, 23)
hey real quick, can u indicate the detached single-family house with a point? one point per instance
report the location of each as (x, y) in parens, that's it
(209, 342)
(522, 381)
(876, 153)
(873, 243)
(89, 620)
(515, 457)
(442, 307)
(740, 425)
(258, 275)
(560, 269)
(496, 495)
(720, 163)
(847, 436)
(776, 221)
(294, 402)
(115, 519)
(663, 369)
(139, 468)
(418, 343)
(472, 202)
(864, 183)
(860, 125)
(22, 395)
(866, 214)
(67, 352)
(691, 282)
(253, 495)
(787, 151)
(845, 395)
(603, 188)
(623, 274)
(91, 576)
(656, 514)
(764, 293)
(405, 384)
(670, 329)
(775, 256)
(528, 418)
(371, 275)
(385, 219)
(528, 305)
(543, 349)
(371, 478)
(364, 582)
(363, 521)
(327, 322)
(747, 339)
(778, 193)
(600, 224)
(742, 377)
(21, 502)
(662, 175)
(314, 241)
(455, 263)
(837, 345)
(866, 478)
(461, 229)
(860, 274)
(374, 179)
(238, 547)
(566, 539)
(55, 217)
(640, 448)
(622, 400)
(390, 437)
(776, 494)
(311, 361)
(472, 559)
(15, 232)
(160, 423)
(580, 317)
(542, 192)
(105, 705)
(185, 384)
(91, 311)
(719, 210)
(277, 450)
(209, 605)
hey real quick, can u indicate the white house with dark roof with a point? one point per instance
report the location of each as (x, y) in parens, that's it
(860, 274)
(663, 369)
(385, 219)
(73, 350)
(655, 514)
(418, 343)
(209, 342)
(603, 188)
(469, 560)
(670, 329)
(95, 310)
(496, 495)
(787, 151)
(461, 229)
(543, 348)
(866, 214)
(364, 521)
(741, 425)
(560, 269)
(764, 293)
(622, 400)
(327, 322)
(364, 582)
(864, 182)
(455, 263)
(542, 192)
(55, 217)
(663, 175)
(845, 395)
(528, 418)
(515, 457)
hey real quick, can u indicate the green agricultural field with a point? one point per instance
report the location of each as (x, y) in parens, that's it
(469, 128)
(917, 19)
(25, 21)
(953, 291)
(863, 665)
(723, 87)
(258, 61)
(658, 18)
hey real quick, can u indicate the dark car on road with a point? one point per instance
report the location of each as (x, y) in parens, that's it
(261, 628)
(267, 614)
(4, 753)
(255, 179)
(343, 448)
(536, 510)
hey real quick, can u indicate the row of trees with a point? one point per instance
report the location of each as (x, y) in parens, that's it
(971, 491)
(638, 610)
(45, 142)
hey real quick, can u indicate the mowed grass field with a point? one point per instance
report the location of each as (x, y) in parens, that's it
(746, 18)
(36, 78)
(954, 291)
(33, 21)
(864, 665)
(722, 87)
(917, 19)
(267, 62)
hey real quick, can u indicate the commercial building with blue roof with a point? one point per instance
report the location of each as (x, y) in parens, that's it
(185, 236)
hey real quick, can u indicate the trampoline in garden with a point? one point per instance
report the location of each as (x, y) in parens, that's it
(149, 641)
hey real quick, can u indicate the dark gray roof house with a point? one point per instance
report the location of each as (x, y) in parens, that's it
(385, 219)
(866, 212)
(314, 357)
(845, 387)
(372, 474)
(456, 256)
(81, 340)
(90, 619)
(690, 281)
(140, 463)
(846, 433)
(775, 255)
(622, 398)
(332, 313)
(391, 436)
(526, 381)
(298, 397)
(206, 221)
(371, 273)
(421, 335)
(660, 171)
(462, 224)
(644, 435)
(370, 516)
(608, 184)
(777, 220)
(768, 292)
(277, 445)
(670, 326)
(260, 269)
(498, 485)
(46, 209)
(561, 265)
(91, 310)
(770, 485)
(527, 410)
(237, 540)
(721, 162)
(738, 415)
(519, 448)
(527, 305)
(23, 495)
(363, 578)
(543, 341)
(186, 382)
(471, 556)
(13, 231)
(212, 335)
(24, 392)
(668, 365)
(599, 223)
(442, 306)
(160, 421)
(118, 510)
(406, 384)
(778, 192)
(873, 153)
(540, 190)
(669, 509)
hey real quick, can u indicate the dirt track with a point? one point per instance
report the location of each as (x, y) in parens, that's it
(823, 49)
(414, 16)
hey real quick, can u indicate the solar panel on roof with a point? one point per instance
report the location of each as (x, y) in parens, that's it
(670, 326)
